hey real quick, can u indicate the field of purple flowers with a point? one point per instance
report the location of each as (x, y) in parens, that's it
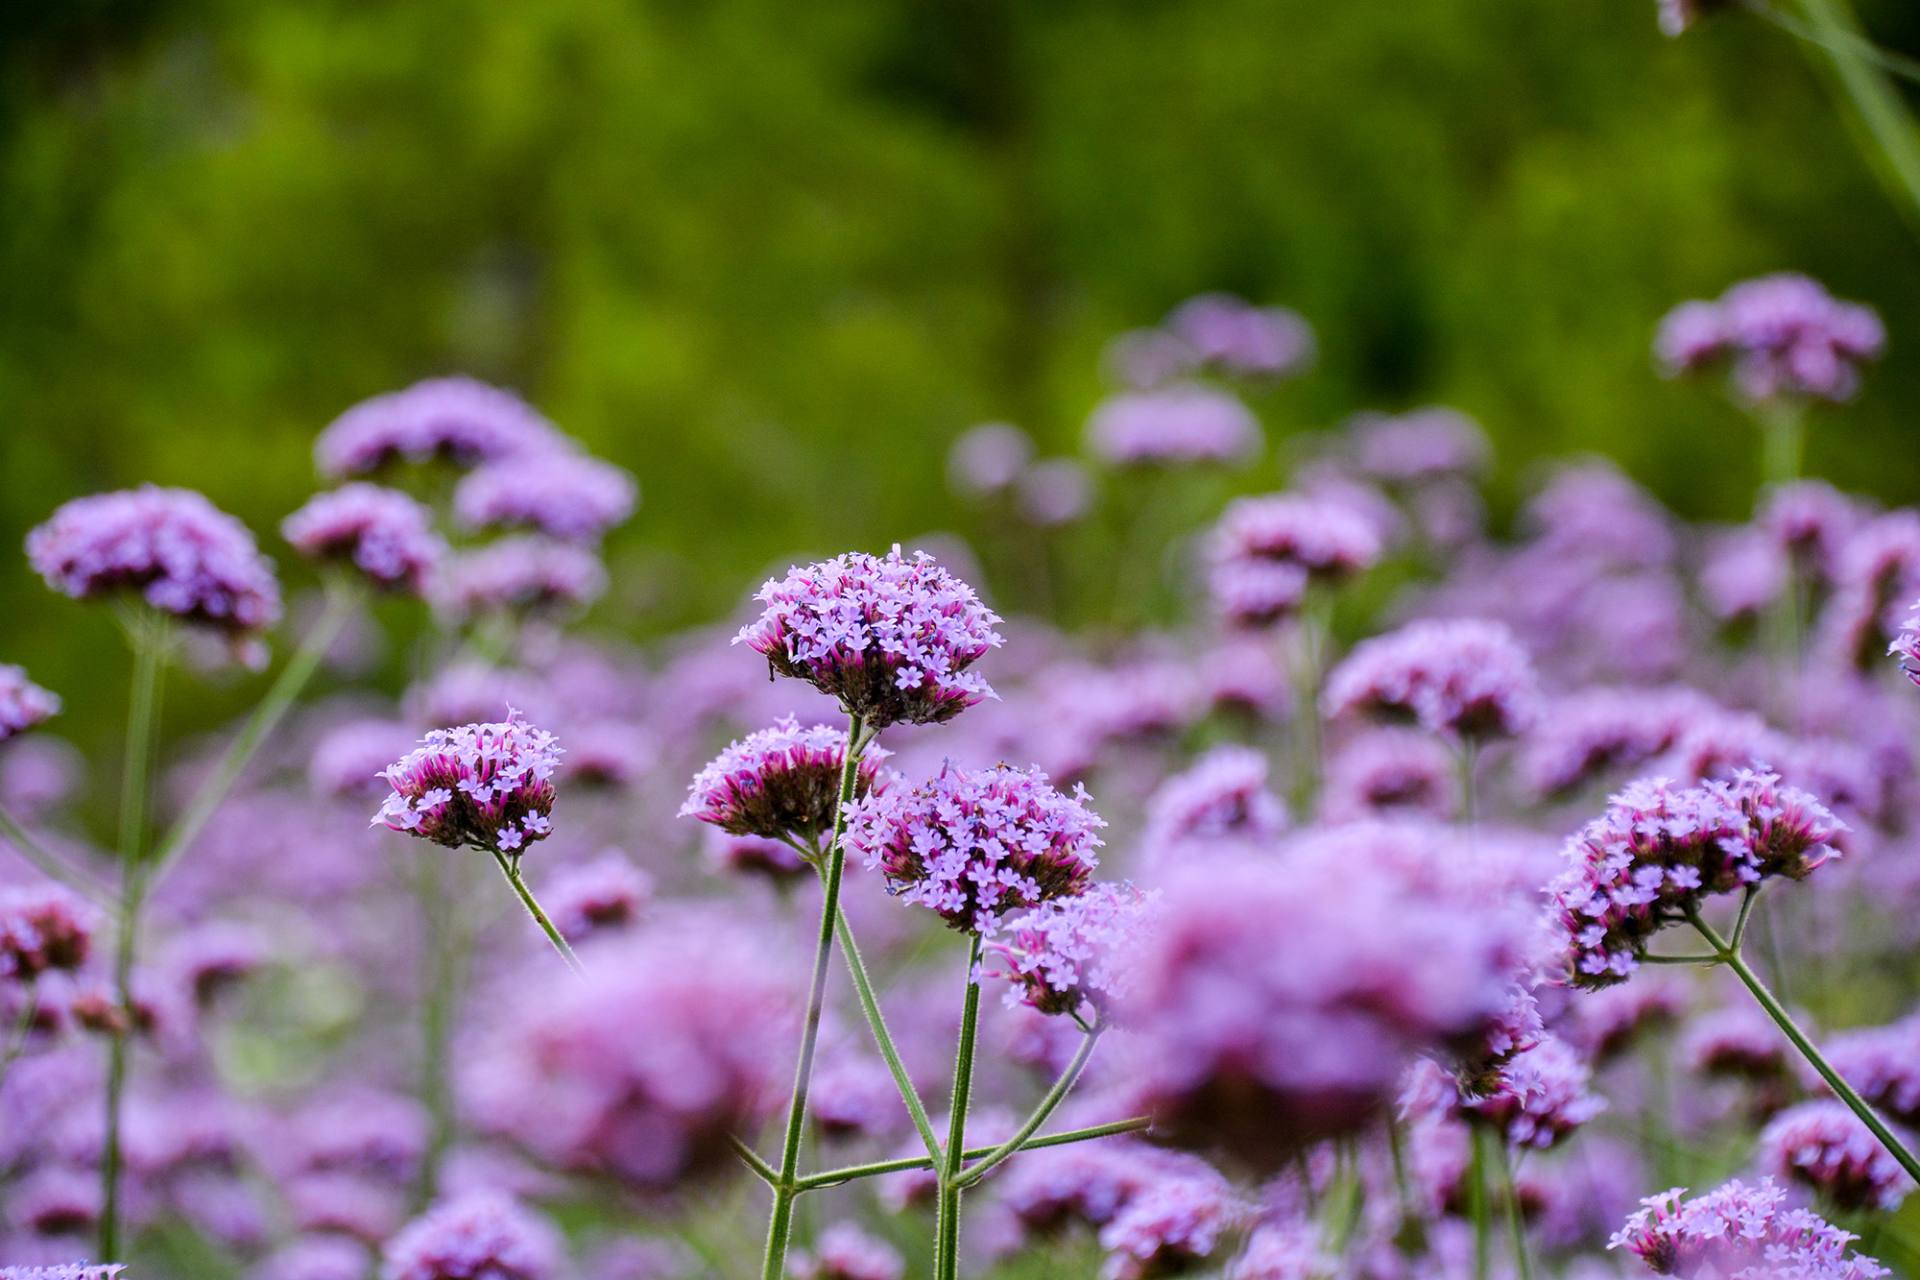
(1371, 892)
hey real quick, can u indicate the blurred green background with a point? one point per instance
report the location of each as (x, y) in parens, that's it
(773, 258)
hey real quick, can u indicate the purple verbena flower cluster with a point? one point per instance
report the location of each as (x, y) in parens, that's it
(526, 574)
(1266, 551)
(170, 547)
(974, 845)
(892, 637)
(1071, 954)
(480, 1236)
(1740, 1232)
(383, 533)
(43, 929)
(781, 782)
(484, 786)
(23, 704)
(1178, 425)
(1784, 337)
(1466, 679)
(561, 494)
(1661, 850)
(1823, 1146)
(457, 420)
(845, 1252)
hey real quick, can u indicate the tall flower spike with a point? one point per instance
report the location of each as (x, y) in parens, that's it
(1660, 850)
(23, 704)
(383, 533)
(890, 636)
(484, 786)
(563, 495)
(783, 781)
(171, 547)
(973, 845)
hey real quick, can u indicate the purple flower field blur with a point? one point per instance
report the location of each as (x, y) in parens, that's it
(1234, 852)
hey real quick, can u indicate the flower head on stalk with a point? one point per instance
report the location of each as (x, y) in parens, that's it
(890, 636)
(1222, 796)
(604, 896)
(457, 420)
(1783, 336)
(1823, 1146)
(1466, 679)
(1179, 425)
(1538, 1096)
(383, 533)
(781, 782)
(484, 786)
(523, 574)
(1418, 446)
(974, 845)
(1660, 851)
(561, 494)
(1266, 551)
(479, 1236)
(1740, 1232)
(41, 930)
(988, 460)
(1883, 1066)
(23, 704)
(170, 547)
(1066, 955)
(1171, 1225)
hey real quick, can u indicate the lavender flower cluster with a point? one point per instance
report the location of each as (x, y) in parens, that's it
(1784, 337)
(482, 786)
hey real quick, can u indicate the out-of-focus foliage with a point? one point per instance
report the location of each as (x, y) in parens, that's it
(773, 259)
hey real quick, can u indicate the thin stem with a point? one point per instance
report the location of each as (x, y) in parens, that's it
(780, 1221)
(440, 981)
(1477, 1200)
(17, 1043)
(1515, 1227)
(51, 864)
(877, 1023)
(510, 868)
(1893, 63)
(1775, 1010)
(342, 600)
(1874, 98)
(853, 1173)
(1305, 665)
(1747, 900)
(1055, 1096)
(1700, 958)
(946, 1255)
(752, 1160)
(150, 639)
(1469, 756)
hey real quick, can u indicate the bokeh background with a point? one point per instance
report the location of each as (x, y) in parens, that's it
(774, 259)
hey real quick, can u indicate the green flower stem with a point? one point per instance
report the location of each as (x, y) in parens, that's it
(1874, 98)
(853, 1173)
(510, 868)
(752, 1160)
(1523, 1265)
(1477, 1206)
(946, 1253)
(441, 982)
(52, 865)
(1055, 1096)
(150, 637)
(877, 1023)
(343, 600)
(1777, 1011)
(22, 1028)
(1307, 665)
(780, 1221)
